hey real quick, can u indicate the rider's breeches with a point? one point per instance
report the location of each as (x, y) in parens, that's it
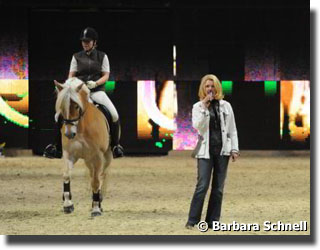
(102, 98)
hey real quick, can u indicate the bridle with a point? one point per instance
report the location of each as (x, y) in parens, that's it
(75, 121)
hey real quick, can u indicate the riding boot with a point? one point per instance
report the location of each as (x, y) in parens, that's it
(117, 149)
(54, 150)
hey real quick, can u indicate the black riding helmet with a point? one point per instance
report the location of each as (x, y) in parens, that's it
(89, 34)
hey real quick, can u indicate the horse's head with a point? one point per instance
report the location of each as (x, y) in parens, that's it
(71, 104)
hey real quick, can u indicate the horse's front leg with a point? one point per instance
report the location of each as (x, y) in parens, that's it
(68, 206)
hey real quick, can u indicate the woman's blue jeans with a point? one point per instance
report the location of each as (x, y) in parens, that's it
(217, 166)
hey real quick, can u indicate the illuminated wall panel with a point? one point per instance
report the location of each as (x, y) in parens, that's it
(227, 87)
(295, 110)
(14, 75)
(185, 136)
(262, 62)
(13, 67)
(14, 101)
(109, 86)
(270, 87)
(156, 110)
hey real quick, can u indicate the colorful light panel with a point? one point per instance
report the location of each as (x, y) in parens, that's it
(155, 120)
(295, 110)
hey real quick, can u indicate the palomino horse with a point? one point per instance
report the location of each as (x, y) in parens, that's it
(85, 135)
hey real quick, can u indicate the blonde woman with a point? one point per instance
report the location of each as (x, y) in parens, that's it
(213, 118)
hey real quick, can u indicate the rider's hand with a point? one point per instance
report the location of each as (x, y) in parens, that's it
(91, 84)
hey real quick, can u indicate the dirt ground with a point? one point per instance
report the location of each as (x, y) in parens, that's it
(151, 195)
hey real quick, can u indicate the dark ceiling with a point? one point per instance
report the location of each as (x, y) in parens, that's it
(154, 4)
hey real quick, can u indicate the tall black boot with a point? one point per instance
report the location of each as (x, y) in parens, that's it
(117, 149)
(55, 150)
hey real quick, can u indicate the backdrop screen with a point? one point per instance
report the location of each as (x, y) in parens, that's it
(14, 74)
(295, 111)
(156, 110)
(261, 122)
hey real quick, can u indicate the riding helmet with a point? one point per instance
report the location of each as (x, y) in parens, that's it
(89, 34)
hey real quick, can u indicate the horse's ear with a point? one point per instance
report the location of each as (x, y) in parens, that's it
(79, 87)
(58, 85)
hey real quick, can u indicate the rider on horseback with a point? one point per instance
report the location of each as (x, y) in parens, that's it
(92, 67)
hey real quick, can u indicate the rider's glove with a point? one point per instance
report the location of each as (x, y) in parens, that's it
(91, 84)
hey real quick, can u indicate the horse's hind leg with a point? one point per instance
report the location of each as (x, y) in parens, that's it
(68, 206)
(107, 161)
(96, 183)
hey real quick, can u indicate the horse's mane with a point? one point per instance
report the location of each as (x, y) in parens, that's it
(67, 94)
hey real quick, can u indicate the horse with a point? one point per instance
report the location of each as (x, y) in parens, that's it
(85, 135)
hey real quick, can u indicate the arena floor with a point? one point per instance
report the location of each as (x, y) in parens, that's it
(151, 195)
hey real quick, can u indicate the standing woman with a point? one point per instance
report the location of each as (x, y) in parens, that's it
(213, 118)
(92, 67)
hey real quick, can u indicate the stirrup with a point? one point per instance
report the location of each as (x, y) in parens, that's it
(117, 151)
(52, 152)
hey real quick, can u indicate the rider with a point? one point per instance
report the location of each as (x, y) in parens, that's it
(91, 66)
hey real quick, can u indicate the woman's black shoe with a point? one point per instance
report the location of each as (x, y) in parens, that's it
(189, 226)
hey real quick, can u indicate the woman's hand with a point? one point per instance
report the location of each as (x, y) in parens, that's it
(234, 156)
(91, 84)
(206, 101)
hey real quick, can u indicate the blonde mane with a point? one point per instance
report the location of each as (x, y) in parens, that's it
(67, 94)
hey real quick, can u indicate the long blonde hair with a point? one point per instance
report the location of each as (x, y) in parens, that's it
(216, 83)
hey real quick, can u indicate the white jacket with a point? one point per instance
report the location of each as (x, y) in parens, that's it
(201, 120)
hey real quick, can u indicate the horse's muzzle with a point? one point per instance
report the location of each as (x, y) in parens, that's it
(70, 135)
(70, 131)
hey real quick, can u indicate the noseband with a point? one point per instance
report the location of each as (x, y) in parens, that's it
(73, 121)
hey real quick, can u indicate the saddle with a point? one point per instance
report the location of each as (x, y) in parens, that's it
(105, 112)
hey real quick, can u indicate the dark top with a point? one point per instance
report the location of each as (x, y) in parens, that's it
(89, 67)
(215, 135)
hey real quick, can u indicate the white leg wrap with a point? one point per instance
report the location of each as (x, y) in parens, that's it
(67, 201)
(96, 208)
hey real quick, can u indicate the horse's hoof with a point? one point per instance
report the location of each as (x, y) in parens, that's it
(68, 210)
(94, 214)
